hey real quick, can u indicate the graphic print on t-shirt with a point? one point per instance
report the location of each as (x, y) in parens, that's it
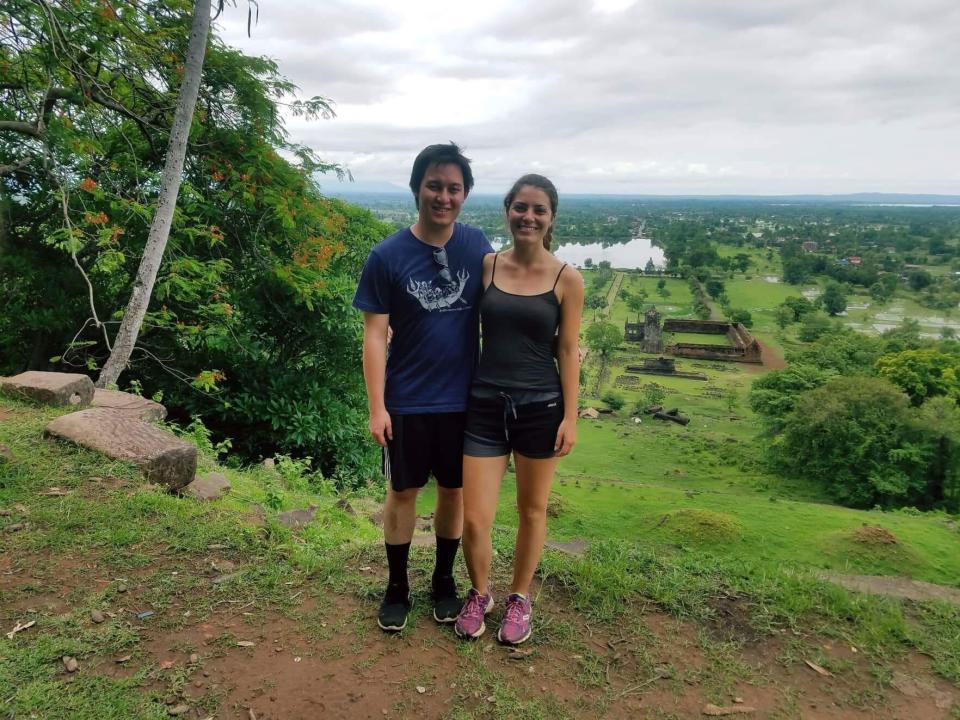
(439, 296)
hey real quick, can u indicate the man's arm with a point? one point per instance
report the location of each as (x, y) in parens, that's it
(375, 326)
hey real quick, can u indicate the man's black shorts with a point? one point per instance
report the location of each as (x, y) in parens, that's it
(497, 426)
(423, 445)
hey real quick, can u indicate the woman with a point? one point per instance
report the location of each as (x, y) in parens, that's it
(523, 400)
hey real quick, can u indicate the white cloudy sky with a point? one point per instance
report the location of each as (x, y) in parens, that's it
(644, 96)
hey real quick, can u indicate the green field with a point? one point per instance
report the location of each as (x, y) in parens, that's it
(704, 488)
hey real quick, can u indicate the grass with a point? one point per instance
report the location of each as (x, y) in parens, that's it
(710, 545)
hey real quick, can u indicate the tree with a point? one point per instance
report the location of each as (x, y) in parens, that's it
(250, 326)
(739, 315)
(715, 288)
(773, 396)
(923, 373)
(166, 204)
(938, 425)
(649, 268)
(813, 326)
(784, 316)
(588, 263)
(795, 271)
(855, 436)
(834, 299)
(603, 338)
(919, 279)
(800, 306)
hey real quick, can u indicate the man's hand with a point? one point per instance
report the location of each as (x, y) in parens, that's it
(566, 437)
(380, 426)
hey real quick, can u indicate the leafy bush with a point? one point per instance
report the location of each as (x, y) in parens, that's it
(613, 399)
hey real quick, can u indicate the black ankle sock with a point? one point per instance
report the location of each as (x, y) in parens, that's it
(446, 554)
(397, 556)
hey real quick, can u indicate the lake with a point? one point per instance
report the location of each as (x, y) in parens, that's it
(625, 256)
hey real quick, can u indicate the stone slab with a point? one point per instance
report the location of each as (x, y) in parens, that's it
(50, 388)
(164, 458)
(208, 487)
(134, 405)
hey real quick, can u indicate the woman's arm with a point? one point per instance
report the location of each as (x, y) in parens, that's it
(568, 357)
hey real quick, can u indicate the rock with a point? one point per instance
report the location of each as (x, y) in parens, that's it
(729, 710)
(49, 388)
(178, 710)
(164, 458)
(15, 527)
(194, 658)
(269, 464)
(297, 518)
(589, 413)
(70, 664)
(207, 487)
(6, 454)
(223, 566)
(121, 588)
(136, 407)
(345, 505)
(97, 617)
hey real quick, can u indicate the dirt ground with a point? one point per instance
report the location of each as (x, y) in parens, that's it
(325, 658)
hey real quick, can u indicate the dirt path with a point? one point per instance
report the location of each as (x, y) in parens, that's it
(899, 587)
(612, 294)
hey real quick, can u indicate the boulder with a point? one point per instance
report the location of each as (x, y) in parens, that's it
(130, 404)
(208, 487)
(589, 413)
(49, 388)
(164, 458)
(6, 454)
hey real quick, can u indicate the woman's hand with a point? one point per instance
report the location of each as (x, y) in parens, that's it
(566, 437)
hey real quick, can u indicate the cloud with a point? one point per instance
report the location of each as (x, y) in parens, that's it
(677, 95)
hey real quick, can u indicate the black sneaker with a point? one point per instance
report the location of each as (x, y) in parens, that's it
(446, 602)
(394, 609)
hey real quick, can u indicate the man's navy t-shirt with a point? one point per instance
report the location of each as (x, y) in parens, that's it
(433, 314)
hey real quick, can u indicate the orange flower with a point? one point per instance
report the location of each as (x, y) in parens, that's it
(88, 184)
(99, 218)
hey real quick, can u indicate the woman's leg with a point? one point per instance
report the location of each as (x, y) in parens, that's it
(534, 478)
(481, 488)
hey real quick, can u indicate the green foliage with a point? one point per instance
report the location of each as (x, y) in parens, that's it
(603, 338)
(919, 279)
(774, 396)
(740, 315)
(715, 288)
(799, 306)
(613, 399)
(922, 373)
(854, 435)
(250, 326)
(813, 326)
(783, 316)
(834, 299)
(842, 350)
(653, 394)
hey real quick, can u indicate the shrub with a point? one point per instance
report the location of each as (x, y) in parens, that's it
(613, 399)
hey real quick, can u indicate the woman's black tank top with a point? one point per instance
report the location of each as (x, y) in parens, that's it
(517, 338)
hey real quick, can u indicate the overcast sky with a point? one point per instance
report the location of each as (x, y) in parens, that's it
(622, 96)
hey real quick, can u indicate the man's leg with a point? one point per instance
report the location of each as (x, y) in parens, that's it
(406, 474)
(448, 526)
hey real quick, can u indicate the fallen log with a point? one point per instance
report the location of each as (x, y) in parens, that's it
(677, 418)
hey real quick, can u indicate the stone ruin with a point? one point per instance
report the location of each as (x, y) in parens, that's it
(743, 346)
(648, 333)
(119, 425)
(662, 366)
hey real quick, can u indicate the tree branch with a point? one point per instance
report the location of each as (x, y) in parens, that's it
(17, 126)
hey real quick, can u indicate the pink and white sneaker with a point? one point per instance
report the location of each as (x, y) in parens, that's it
(470, 621)
(516, 623)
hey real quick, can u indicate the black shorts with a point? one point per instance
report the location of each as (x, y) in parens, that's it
(423, 445)
(497, 426)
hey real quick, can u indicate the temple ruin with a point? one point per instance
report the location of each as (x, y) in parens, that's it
(648, 334)
(743, 346)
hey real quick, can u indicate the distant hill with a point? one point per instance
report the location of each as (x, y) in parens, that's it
(334, 188)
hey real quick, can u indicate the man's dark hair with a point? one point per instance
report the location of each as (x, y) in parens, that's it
(440, 155)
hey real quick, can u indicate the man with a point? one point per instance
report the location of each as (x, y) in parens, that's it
(424, 284)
